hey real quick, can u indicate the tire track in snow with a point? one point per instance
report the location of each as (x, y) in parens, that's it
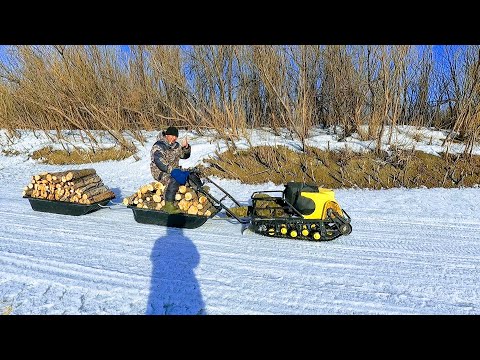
(100, 263)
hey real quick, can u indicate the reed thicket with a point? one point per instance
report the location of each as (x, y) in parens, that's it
(363, 89)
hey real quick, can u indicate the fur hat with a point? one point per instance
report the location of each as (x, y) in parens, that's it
(172, 130)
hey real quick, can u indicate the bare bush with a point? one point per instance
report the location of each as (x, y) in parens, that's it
(232, 89)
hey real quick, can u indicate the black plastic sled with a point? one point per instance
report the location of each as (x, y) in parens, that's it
(158, 217)
(63, 207)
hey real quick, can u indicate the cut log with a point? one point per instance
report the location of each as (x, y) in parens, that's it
(55, 177)
(88, 188)
(149, 205)
(101, 197)
(94, 191)
(65, 196)
(27, 192)
(75, 174)
(90, 179)
(159, 186)
(58, 175)
(183, 205)
(189, 195)
(192, 210)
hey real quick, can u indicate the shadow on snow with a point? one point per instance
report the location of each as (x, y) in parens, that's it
(174, 290)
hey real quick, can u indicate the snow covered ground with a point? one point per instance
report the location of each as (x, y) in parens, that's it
(411, 251)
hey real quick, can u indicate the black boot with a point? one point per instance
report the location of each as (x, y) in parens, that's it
(196, 183)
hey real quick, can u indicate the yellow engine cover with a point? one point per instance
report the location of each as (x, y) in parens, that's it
(324, 199)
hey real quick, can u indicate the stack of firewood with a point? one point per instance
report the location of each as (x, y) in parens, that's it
(151, 196)
(82, 186)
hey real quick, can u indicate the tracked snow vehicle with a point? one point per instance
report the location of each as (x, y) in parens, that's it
(302, 211)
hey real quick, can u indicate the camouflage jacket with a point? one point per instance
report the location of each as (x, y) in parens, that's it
(164, 157)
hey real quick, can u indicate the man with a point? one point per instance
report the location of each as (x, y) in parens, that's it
(164, 165)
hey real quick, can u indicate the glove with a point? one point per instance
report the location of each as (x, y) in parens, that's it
(180, 176)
